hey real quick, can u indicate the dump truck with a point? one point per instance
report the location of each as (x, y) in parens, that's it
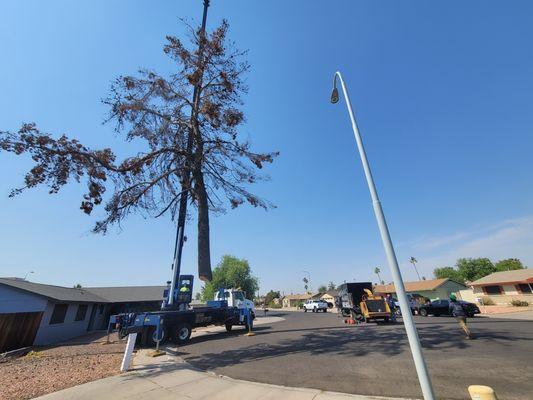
(359, 303)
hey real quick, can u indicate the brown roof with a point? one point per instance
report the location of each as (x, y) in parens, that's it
(519, 275)
(122, 294)
(417, 286)
(57, 293)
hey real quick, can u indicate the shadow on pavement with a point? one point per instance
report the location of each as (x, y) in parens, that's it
(354, 341)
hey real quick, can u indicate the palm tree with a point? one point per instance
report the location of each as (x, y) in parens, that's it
(377, 271)
(414, 261)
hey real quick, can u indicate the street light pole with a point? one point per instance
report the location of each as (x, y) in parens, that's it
(412, 334)
(28, 273)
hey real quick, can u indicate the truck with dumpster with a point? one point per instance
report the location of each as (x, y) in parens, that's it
(359, 303)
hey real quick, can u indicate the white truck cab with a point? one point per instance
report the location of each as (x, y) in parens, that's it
(315, 306)
(236, 298)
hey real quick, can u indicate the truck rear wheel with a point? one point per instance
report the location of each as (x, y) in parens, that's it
(182, 333)
(152, 336)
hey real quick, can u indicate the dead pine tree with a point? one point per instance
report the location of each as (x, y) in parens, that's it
(189, 123)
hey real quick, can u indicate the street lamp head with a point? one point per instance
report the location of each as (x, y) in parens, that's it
(334, 95)
(334, 92)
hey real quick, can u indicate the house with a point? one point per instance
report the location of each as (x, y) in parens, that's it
(38, 314)
(293, 300)
(506, 286)
(433, 288)
(330, 296)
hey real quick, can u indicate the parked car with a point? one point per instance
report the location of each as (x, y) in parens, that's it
(315, 306)
(414, 304)
(442, 307)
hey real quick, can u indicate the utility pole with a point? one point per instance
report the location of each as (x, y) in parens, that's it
(186, 177)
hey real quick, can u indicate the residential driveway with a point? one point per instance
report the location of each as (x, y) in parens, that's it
(319, 351)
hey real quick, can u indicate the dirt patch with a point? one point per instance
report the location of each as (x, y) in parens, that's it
(49, 369)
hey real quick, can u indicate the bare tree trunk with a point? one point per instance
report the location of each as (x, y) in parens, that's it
(204, 252)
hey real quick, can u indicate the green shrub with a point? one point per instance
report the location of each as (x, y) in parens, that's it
(519, 303)
(274, 305)
(487, 301)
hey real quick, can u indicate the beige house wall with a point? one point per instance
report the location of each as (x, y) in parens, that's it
(510, 294)
(286, 303)
(468, 295)
(506, 299)
(327, 297)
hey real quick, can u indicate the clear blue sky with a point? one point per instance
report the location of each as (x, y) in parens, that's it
(442, 93)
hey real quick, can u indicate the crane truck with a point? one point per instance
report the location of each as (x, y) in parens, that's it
(177, 318)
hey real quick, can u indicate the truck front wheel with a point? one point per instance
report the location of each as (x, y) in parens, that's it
(152, 336)
(182, 333)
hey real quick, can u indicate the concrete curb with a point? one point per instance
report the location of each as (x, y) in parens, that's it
(288, 392)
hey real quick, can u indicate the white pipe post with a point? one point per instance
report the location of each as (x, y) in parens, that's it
(412, 334)
(128, 352)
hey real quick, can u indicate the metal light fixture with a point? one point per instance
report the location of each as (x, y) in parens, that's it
(412, 334)
(28, 273)
(334, 94)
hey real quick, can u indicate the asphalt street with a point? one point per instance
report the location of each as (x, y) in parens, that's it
(319, 351)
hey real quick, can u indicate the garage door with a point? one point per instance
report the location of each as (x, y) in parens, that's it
(18, 330)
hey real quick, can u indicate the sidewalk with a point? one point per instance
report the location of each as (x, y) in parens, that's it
(502, 309)
(520, 314)
(168, 377)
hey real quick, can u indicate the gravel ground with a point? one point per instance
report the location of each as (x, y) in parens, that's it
(57, 367)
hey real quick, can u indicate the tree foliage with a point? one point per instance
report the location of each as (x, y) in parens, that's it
(322, 289)
(509, 264)
(306, 284)
(448, 272)
(377, 271)
(231, 272)
(270, 296)
(181, 138)
(332, 286)
(471, 269)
